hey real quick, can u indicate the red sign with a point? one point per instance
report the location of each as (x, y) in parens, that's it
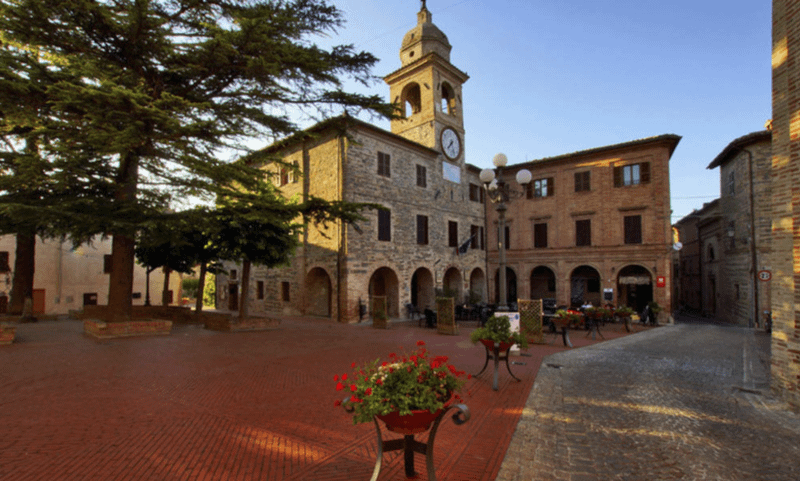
(764, 275)
(661, 281)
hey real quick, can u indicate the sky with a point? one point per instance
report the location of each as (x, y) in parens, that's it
(554, 77)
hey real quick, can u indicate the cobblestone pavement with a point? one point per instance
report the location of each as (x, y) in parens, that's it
(688, 402)
(204, 405)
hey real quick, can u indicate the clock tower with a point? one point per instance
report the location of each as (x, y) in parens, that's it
(427, 89)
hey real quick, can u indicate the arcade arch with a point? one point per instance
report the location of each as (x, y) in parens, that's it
(634, 287)
(384, 283)
(543, 283)
(318, 292)
(585, 286)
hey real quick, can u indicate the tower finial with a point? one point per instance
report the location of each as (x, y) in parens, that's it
(423, 5)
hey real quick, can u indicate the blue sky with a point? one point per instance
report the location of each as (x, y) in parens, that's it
(553, 77)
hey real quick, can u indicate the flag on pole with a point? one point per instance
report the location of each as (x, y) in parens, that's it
(465, 246)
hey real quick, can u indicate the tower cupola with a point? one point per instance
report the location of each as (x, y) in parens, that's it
(424, 39)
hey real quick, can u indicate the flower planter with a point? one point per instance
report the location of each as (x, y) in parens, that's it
(414, 423)
(504, 346)
(7, 334)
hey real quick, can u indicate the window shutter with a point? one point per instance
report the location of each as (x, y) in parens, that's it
(551, 186)
(644, 172)
(384, 225)
(617, 176)
(452, 233)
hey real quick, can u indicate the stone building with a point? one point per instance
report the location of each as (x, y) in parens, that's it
(742, 240)
(696, 273)
(417, 172)
(433, 235)
(785, 243)
(592, 227)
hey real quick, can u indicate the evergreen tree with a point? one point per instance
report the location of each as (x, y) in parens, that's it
(148, 96)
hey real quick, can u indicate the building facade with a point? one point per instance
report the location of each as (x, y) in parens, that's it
(436, 232)
(785, 242)
(416, 172)
(67, 278)
(592, 227)
(742, 238)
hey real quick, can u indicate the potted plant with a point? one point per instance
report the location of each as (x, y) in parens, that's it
(654, 309)
(568, 318)
(498, 329)
(624, 313)
(407, 391)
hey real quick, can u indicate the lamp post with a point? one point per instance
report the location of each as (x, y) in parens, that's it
(499, 193)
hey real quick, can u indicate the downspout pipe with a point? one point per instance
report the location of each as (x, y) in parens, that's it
(753, 251)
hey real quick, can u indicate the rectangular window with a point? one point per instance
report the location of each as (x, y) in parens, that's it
(293, 175)
(633, 174)
(422, 229)
(384, 225)
(540, 235)
(384, 165)
(4, 267)
(422, 176)
(284, 176)
(583, 232)
(540, 188)
(107, 262)
(259, 290)
(582, 181)
(452, 234)
(731, 183)
(285, 292)
(508, 238)
(475, 193)
(476, 232)
(633, 229)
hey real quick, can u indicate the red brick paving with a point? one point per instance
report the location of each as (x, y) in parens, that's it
(203, 405)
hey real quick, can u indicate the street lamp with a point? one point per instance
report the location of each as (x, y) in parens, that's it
(499, 193)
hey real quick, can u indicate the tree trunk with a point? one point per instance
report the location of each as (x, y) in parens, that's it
(165, 291)
(245, 289)
(123, 256)
(201, 287)
(120, 282)
(24, 265)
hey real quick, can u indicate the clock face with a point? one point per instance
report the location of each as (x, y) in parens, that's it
(451, 144)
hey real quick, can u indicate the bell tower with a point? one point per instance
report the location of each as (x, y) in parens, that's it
(427, 89)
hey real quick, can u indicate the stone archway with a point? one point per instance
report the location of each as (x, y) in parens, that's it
(384, 283)
(318, 293)
(585, 287)
(423, 292)
(543, 283)
(634, 287)
(452, 284)
(477, 286)
(511, 286)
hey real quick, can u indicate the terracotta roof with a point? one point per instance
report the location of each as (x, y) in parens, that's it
(735, 147)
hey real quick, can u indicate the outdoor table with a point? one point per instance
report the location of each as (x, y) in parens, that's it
(497, 351)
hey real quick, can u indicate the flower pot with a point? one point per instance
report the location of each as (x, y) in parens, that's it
(416, 422)
(504, 346)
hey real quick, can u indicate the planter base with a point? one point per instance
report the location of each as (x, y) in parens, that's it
(7, 334)
(113, 330)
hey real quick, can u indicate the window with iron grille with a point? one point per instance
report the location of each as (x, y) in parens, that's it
(422, 176)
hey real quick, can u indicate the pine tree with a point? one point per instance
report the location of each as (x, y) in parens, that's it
(149, 97)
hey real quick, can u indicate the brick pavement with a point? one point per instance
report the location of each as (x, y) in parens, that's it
(203, 405)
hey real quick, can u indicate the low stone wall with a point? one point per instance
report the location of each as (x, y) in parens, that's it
(111, 330)
(182, 315)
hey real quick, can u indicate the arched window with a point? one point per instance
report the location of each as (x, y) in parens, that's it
(448, 99)
(412, 102)
(710, 252)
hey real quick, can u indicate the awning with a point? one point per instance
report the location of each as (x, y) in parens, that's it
(638, 280)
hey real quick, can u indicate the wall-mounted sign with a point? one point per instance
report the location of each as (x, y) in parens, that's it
(764, 275)
(451, 172)
(608, 295)
(661, 281)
